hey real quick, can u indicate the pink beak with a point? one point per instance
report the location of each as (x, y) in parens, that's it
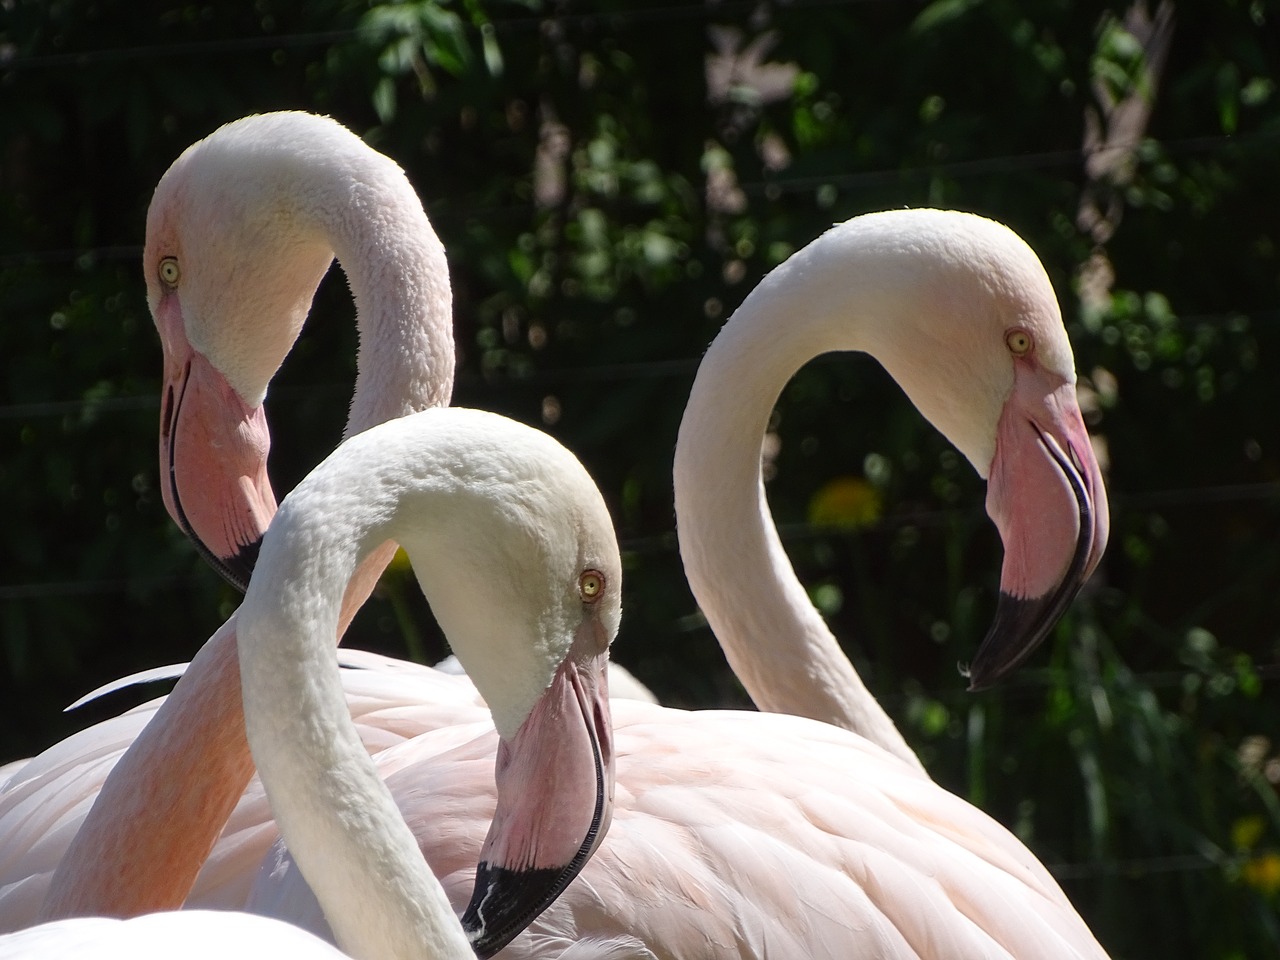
(213, 459)
(1046, 497)
(555, 802)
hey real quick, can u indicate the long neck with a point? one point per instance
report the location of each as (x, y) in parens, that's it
(162, 807)
(335, 813)
(775, 640)
(399, 278)
(136, 853)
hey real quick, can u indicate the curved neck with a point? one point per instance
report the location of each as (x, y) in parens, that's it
(334, 811)
(135, 853)
(163, 806)
(775, 640)
(399, 278)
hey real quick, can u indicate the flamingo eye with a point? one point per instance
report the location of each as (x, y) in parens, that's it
(169, 272)
(1018, 341)
(591, 586)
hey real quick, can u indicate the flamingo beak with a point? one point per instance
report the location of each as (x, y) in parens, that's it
(213, 464)
(555, 802)
(1046, 496)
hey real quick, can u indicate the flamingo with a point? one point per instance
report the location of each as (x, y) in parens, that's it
(240, 231)
(515, 550)
(959, 311)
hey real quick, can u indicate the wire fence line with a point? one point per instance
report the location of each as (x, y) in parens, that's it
(678, 367)
(666, 543)
(461, 209)
(82, 256)
(11, 59)
(85, 588)
(1014, 163)
(1136, 869)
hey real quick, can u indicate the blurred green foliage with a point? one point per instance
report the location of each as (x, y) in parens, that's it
(609, 180)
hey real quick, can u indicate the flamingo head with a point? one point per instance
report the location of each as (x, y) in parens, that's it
(997, 377)
(231, 262)
(541, 667)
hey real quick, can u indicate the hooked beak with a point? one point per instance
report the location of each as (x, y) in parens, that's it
(555, 802)
(213, 465)
(1046, 496)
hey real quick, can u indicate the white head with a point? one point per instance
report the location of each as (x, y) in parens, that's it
(237, 238)
(518, 561)
(240, 231)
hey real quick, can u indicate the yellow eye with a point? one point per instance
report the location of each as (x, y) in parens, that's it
(1018, 341)
(591, 586)
(169, 272)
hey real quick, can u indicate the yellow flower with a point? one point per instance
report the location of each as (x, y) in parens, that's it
(847, 503)
(1263, 873)
(1247, 831)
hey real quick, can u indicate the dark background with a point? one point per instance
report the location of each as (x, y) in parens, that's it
(609, 180)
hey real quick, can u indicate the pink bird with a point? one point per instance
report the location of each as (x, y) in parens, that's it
(240, 231)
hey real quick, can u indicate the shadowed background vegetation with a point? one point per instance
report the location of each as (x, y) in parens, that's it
(609, 180)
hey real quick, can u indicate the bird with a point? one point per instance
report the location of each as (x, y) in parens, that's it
(514, 547)
(960, 312)
(739, 835)
(196, 934)
(240, 231)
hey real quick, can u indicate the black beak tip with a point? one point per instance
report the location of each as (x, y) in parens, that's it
(980, 681)
(1020, 626)
(503, 903)
(238, 568)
